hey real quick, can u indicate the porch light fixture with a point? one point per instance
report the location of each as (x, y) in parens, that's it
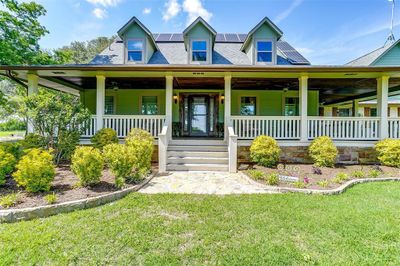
(175, 97)
(222, 98)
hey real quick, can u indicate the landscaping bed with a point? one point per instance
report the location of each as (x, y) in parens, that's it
(65, 186)
(328, 178)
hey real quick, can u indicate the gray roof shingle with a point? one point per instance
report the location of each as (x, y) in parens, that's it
(172, 51)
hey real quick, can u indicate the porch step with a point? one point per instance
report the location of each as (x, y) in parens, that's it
(197, 142)
(198, 154)
(207, 148)
(197, 160)
(197, 167)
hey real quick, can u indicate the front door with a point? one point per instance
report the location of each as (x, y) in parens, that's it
(198, 115)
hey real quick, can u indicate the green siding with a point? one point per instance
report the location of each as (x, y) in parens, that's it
(199, 32)
(391, 58)
(265, 32)
(135, 32)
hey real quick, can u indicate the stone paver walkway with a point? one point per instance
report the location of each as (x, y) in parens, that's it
(219, 183)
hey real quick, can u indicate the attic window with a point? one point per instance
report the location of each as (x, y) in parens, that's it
(199, 51)
(135, 50)
(264, 51)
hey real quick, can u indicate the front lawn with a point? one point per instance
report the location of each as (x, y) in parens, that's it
(360, 226)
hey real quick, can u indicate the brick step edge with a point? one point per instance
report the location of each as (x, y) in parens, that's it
(16, 215)
(334, 191)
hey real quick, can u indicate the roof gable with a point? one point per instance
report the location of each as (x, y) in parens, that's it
(136, 21)
(373, 57)
(265, 21)
(203, 22)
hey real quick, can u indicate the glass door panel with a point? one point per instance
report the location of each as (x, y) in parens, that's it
(199, 116)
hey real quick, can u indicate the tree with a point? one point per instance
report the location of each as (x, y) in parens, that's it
(20, 32)
(59, 117)
(84, 52)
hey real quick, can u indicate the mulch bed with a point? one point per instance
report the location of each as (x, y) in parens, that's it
(306, 170)
(64, 186)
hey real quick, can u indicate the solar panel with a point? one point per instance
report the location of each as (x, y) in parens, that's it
(242, 37)
(284, 46)
(295, 56)
(155, 36)
(231, 37)
(220, 37)
(164, 37)
(177, 37)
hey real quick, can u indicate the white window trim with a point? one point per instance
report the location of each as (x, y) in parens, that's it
(143, 51)
(141, 103)
(207, 51)
(273, 62)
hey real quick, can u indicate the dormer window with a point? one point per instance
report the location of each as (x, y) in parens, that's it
(135, 50)
(264, 52)
(199, 51)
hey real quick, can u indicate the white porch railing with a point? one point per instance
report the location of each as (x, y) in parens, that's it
(278, 127)
(344, 128)
(123, 124)
(394, 128)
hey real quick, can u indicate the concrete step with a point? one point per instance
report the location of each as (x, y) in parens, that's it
(197, 142)
(197, 160)
(197, 148)
(208, 154)
(197, 167)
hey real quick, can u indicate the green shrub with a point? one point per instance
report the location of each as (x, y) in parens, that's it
(265, 151)
(87, 164)
(341, 177)
(7, 163)
(51, 198)
(373, 173)
(357, 174)
(388, 152)
(104, 137)
(256, 174)
(10, 200)
(140, 143)
(13, 125)
(323, 152)
(120, 160)
(35, 171)
(323, 183)
(300, 184)
(33, 140)
(272, 179)
(14, 148)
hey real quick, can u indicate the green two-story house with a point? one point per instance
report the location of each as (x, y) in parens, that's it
(206, 95)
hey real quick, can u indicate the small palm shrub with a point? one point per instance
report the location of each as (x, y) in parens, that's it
(256, 174)
(323, 183)
(120, 160)
(10, 200)
(357, 174)
(300, 184)
(104, 137)
(388, 152)
(265, 151)
(87, 165)
(140, 143)
(373, 173)
(341, 177)
(51, 198)
(323, 152)
(7, 163)
(35, 171)
(272, 179)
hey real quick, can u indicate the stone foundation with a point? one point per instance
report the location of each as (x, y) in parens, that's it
(299, 154)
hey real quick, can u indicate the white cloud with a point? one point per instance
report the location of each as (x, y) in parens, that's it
(195, 8)
(172, 9)
(99, 13)
(146, 11)
(288, 11)
(104, 3)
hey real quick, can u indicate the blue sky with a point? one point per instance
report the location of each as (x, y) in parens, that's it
(326, 32)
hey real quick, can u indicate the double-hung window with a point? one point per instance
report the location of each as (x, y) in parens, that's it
(109, 105)
(248, 106)
(149, 105)
(291, 106)
(199, 51)
(264, 52)
(135, 50)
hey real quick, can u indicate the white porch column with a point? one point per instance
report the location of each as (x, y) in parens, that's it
(355, 108)
(303, 94)
(382, 110)
(227, 104)
(100, 95)
(169, 84)
(33, 88)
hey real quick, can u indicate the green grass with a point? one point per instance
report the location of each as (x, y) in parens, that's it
(360, 226)
(8, 133)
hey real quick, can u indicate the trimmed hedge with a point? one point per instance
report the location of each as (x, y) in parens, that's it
(265, 151)
(388, 152)
(323, 152)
